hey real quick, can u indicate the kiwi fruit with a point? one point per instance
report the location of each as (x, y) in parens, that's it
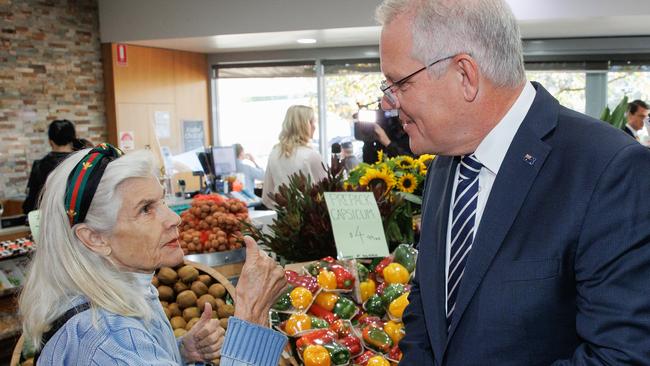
(206, 279)
(223, 323)
(174, 309)
(214, 314)
(219, 303)
(199, 288)
(186, 299)
(217, 290)
(168, 313)
(178, 322)
(165, 293)
(155, 282)
(191, 323)
(188, 274)
(167, 276)
(200, 303)
(226, 311)
(164, 304)
(179, 332)
(191, 312)
(180, 286)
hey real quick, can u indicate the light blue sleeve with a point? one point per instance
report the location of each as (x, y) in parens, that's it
(132, 347)
(250, 344)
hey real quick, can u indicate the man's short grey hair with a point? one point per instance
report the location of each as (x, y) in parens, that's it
(485, 29)
(63, 268)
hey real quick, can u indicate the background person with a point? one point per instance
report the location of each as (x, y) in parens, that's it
(536, 243)
(637, 111)
(105, 229)
(293, 153)
(251, 173)
(61, 134)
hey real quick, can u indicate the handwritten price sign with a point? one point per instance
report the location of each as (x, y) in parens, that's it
(358, 231)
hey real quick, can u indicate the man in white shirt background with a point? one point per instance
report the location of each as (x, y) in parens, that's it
(637, 111)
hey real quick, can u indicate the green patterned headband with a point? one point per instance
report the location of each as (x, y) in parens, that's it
(84, 179)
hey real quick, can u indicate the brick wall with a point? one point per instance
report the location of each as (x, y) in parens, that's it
(50, 68)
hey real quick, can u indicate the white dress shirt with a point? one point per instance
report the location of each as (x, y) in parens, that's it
(491, 152)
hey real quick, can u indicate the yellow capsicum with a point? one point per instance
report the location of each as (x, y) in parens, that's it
(367, 289)
(396, 308)
(327, 280)
(316, 355)
(396, 273)
(327, 300)
(394, 330)
(301, 298)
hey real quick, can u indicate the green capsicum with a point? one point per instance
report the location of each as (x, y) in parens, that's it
(317, 323)
(406, 256)
(375, 306)
(283, 303)
(392, 292)
(362, 271)
(345, 308)
(377, 339)
(339, 355)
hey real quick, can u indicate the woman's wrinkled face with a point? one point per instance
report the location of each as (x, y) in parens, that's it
(145, 236)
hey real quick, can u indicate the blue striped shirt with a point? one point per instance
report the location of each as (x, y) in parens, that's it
(121, 340)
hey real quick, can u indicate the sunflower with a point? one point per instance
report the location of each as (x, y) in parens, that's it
(407, 183)
(404, 162)
(426, 158)
(380, 156)
(421, 167)
(374, 177)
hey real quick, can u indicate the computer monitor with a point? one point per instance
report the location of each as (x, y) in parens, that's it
(224, 160)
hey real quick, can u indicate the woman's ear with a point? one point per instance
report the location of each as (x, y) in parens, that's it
(92, 240)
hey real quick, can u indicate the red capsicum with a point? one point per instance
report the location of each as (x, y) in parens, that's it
(379, 269)
(322, 336)
(322, 313)
(363, 358)
(344, 279)
(342, 328)
(395, 353)
(352, 343)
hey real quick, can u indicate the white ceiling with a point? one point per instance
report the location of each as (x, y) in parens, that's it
(220, 26)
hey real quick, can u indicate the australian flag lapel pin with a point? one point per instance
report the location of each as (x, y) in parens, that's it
(529, 159)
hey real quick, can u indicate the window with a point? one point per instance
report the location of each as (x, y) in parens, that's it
(252, 102)
(568, 87)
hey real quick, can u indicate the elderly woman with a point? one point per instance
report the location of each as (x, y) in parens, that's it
(88, 298)
(293, 153)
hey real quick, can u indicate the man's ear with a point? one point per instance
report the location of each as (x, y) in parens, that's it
(92, 240)
(468, 72)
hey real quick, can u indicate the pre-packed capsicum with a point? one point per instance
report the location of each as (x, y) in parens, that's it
(338, 353)
(332, 275)
(376, 339)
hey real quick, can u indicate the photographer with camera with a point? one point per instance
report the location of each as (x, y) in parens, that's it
(384, 133)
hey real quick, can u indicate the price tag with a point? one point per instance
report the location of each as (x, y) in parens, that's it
(357, 226)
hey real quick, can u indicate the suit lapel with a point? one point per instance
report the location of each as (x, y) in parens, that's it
(433, 249)
(517, 173)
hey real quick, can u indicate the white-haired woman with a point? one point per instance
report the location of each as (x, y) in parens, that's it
(88, 298)
(293, 153)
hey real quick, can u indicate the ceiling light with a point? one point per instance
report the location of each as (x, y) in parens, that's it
(306, 41)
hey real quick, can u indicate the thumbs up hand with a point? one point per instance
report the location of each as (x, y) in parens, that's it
(203, 342)
(260, 282)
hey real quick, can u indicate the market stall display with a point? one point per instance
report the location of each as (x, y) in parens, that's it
(350, 312)
(212, 224)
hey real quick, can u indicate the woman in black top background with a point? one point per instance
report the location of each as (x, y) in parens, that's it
(62, 136)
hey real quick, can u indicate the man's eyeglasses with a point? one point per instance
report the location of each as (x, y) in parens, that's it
(389, 90)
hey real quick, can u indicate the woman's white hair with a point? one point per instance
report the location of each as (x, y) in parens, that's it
(485, 29)
(63, 268)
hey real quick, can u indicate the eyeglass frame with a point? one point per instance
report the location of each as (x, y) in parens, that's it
(388, 89)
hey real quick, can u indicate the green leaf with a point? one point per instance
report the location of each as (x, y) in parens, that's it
(410, 197)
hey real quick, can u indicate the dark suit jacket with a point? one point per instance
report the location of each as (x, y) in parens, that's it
(559, 272)
(628, 131)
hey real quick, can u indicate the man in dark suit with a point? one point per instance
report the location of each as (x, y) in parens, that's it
(637, 111)
(535, 244)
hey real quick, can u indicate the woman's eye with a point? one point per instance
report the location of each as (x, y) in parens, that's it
(146, 209)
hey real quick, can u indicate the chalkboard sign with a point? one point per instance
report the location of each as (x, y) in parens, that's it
(193, 135)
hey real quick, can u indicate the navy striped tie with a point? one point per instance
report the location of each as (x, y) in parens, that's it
(462, 227)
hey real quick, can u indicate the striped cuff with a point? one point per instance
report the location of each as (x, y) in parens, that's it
(251, 344)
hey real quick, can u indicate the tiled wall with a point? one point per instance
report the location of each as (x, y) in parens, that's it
(50, 68)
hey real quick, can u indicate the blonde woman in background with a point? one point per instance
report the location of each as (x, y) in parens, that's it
(293, 154)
